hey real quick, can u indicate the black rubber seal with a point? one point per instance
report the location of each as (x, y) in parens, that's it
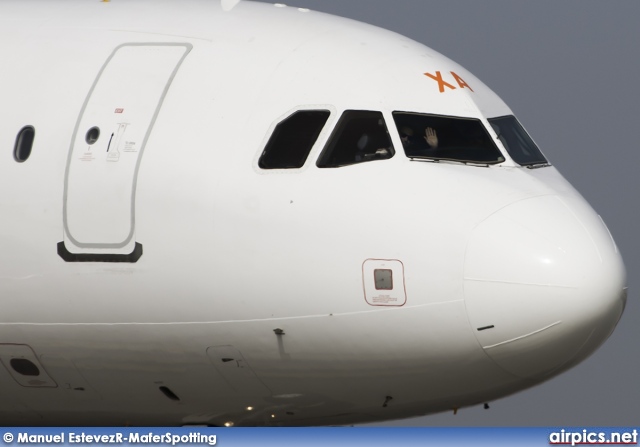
(99, 257)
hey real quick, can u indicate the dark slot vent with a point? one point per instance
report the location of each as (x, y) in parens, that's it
(167, 392)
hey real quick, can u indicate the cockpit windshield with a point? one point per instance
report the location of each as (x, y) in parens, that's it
(517, 141)
(446, 138)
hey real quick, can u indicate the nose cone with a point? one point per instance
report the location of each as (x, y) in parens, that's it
(544, 284)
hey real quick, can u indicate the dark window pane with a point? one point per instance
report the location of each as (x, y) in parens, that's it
(24, 143)
(359, 136)
(517, 141)
(446, 138)
(292, 140)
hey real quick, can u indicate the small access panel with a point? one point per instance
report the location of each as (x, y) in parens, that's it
(383, 281)
(108, 142)
(25, 368)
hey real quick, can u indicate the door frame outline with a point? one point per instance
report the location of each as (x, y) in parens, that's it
(188, 47)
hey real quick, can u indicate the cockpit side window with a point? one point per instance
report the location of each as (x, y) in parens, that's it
(359, 136)
(517, 141)
(293, 139)
(446, 138)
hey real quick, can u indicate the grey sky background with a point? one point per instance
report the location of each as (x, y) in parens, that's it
(569, 69)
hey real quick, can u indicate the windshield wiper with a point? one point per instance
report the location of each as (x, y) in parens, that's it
(450, 160)
(538, 165)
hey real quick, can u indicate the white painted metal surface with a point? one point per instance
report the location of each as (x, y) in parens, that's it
(509, 277)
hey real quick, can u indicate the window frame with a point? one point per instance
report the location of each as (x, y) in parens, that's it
(532, 164)
(483, 126)
(276, 135)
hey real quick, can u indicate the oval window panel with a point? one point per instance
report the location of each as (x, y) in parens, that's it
(24, 143)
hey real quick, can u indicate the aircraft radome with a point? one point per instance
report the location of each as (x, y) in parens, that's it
(250, 214)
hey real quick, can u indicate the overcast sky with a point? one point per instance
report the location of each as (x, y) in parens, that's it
(570, 71)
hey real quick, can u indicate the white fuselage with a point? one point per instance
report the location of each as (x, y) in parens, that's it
(251, 287)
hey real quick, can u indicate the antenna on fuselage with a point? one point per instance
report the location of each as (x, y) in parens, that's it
(228, 5)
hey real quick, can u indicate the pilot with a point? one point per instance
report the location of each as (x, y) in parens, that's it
(361, 153)
(431, 137)
(406, 135)
(413, 146)
(368, 150)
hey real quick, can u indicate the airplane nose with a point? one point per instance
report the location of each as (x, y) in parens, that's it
(544, 284)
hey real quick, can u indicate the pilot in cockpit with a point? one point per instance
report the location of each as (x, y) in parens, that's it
(367, 149)
(413, 144)
(374, 144)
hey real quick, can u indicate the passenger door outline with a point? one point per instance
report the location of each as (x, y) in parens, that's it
(101, 176)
